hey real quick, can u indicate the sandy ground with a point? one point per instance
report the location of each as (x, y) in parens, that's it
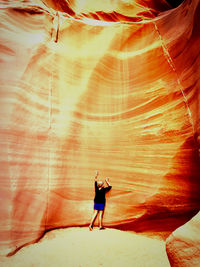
(78, 247)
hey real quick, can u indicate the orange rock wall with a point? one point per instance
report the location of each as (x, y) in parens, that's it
(183, 245)
(79, 94)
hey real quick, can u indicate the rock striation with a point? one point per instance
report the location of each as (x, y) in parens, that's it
(183, 245)
(114, 88)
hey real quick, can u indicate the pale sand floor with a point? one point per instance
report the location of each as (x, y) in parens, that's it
(78, 247)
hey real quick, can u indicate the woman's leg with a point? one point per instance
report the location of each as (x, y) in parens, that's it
(101, 218)
(93, 219)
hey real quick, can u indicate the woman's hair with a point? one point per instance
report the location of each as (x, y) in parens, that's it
(100, 183)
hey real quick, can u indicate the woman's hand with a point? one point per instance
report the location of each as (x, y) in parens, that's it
(107, 181)
(97, 174)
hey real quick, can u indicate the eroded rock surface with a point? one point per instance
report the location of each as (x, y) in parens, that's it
(110, 90)
(183, 245)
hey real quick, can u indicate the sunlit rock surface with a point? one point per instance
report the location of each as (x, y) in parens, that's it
(79, 247)
(183, 245)
(98, 89)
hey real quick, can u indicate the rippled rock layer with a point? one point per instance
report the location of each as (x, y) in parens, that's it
(92, 87)
(183, 245)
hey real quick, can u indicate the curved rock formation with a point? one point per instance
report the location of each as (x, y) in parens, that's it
(111, 247)
(183, 245)
(108, 89)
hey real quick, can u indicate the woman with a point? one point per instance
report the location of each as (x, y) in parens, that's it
(99, 201)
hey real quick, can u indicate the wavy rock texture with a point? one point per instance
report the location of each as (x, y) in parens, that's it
(183, 245)
(92, 87)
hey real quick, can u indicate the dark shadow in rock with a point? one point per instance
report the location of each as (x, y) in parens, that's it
(175, 3)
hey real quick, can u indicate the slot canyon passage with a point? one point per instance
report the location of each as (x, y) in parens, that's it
(107, 85)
